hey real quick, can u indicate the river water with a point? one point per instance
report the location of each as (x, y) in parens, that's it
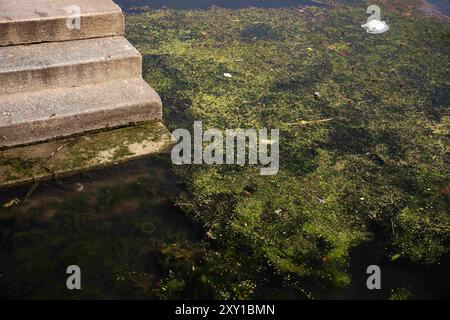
(113, 223)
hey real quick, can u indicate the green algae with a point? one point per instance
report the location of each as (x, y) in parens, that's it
(382, 157)
(401, 294)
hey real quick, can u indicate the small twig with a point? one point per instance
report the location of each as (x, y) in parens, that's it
(393, 229)
(48, 171)
(365, 101)
(305, 123)
(31, 191)
(56, 151)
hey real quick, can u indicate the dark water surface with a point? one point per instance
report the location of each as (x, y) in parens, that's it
(136, 6)
(442, 5)
(205, 4)
(119, 224)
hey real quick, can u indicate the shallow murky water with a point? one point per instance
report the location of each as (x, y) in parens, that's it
(114, 223)
(121, 226)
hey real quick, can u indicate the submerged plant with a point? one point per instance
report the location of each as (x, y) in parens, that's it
(377, 162)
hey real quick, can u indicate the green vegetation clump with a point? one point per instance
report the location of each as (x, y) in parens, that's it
(401, 294)
(380, 162)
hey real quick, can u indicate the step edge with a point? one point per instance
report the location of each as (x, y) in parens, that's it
(154, 115)
(60, 17)
(119, 31)
(149, 97)
(134, 54)
(153, 104)
(80, 87)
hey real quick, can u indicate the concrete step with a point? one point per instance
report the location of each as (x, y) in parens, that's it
(48, 114)
(34, 21)
(50, 65)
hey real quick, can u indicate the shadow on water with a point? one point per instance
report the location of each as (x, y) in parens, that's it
(128, 5)
(118, 224)
(423, 282)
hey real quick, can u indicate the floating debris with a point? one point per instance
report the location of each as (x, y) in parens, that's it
(11, 203)
(320, 200)
(305, 123)
(376, 27)
(317, 95)
(445, 190)
(395, 256)
(79, 187)
(227, 75)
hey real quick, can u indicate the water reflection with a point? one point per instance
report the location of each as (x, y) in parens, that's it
(119, 225)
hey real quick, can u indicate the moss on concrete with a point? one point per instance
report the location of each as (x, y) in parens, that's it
(60, 157)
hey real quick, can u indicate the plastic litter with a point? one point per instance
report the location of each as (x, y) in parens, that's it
(376, 27)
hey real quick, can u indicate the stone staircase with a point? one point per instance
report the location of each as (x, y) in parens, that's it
(57, 82)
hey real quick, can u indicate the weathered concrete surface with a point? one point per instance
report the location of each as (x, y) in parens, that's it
(33, 21)
(71, 63)
(48, 114)
(58, 82)
(63, 157)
